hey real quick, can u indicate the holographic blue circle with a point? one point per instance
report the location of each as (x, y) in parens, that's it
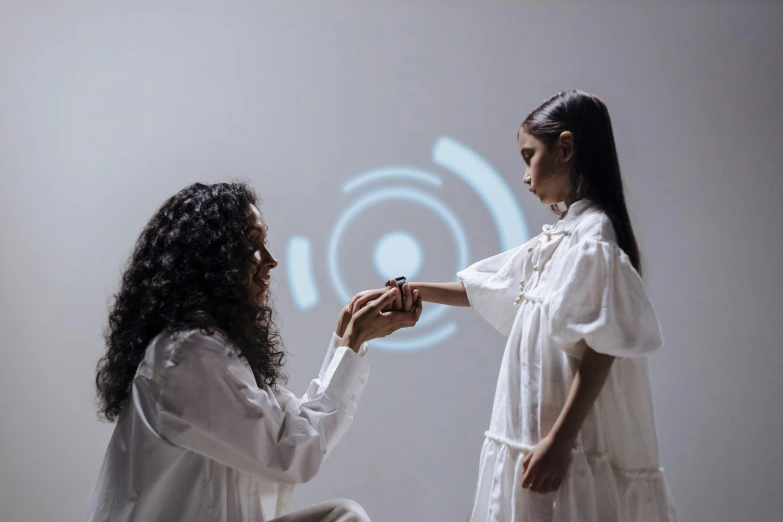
(432, 312)
(401, 344)
(398, 253)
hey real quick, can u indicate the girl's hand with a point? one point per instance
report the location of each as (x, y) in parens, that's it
(546, 465)
(402, 303)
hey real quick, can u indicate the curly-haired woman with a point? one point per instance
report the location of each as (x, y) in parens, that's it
(192, 369)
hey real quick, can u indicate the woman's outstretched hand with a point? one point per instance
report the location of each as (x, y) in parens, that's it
(404, 301)
(381, 316)
(361, 299)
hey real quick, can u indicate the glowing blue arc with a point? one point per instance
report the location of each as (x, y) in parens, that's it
(489, 185)
(382, 174)
(299, 269)
(433, 312)
(437, 336)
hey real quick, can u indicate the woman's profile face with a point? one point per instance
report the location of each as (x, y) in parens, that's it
(263, 260)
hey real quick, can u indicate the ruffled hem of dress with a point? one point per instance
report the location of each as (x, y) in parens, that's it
(595, 489)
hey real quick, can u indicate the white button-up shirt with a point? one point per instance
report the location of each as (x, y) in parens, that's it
(199, 440)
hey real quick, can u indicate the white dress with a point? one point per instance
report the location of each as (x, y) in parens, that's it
(200, 441)
(570, 286)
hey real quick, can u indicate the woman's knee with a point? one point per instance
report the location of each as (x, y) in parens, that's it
(351, 510)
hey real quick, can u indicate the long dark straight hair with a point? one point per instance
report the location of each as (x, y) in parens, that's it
(595, 172)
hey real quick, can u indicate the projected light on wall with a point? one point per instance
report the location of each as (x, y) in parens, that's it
(399, 252)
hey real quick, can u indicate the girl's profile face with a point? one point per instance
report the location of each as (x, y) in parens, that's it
(547, 168)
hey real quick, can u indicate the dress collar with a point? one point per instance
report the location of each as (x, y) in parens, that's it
(575, 211)
(570, 217)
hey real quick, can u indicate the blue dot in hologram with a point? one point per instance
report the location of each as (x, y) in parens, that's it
(398, 254)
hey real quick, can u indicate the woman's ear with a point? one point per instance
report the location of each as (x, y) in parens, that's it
(565, 147)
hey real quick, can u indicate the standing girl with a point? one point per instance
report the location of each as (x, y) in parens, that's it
(572, 436)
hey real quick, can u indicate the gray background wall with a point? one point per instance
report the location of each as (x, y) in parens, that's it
(106, 110)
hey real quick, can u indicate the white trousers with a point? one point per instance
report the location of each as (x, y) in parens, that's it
(332, 511)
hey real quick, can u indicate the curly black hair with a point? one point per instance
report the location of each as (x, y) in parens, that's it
(189, 270)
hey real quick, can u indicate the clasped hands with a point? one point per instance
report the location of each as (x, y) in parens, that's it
(376, 313)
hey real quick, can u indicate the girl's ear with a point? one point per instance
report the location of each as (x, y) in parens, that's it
(565, 147)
